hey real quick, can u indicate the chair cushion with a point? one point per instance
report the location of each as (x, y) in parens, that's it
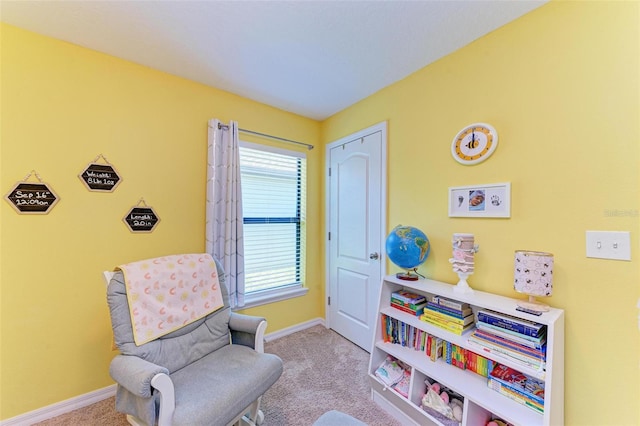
(174, 350)
(214, 389)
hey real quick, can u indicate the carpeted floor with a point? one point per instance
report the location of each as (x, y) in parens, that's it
(322, 372)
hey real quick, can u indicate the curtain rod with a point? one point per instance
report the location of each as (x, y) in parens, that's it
(226, 127)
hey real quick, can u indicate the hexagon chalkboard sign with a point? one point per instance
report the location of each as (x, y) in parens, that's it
(141, 219)
(32, 197)
(100, 177)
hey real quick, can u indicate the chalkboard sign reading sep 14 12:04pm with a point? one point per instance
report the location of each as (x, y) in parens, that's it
(141, 218)
(32, 197)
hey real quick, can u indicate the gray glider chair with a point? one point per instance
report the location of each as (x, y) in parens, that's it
(210, 372)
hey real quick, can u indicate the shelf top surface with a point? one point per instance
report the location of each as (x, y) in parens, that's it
(475, 297)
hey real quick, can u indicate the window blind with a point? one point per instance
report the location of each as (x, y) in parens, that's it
(273, 213)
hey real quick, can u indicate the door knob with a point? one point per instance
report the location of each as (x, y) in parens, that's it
(374, 256)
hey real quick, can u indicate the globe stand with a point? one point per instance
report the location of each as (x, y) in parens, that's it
(463, 285)
(410, 275)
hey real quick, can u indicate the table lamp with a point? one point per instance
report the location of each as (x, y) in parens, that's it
(533, 276)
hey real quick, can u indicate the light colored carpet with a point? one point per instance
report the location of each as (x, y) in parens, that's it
(322, 372)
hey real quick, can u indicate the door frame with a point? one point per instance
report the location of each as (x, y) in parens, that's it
(382, 127)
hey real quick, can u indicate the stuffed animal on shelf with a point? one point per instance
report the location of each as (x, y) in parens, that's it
(439, 400)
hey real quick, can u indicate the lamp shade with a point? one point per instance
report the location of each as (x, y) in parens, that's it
(533, 273)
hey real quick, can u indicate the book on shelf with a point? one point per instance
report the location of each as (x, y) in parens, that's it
(384, 329)
(454, 355)
(450, 311)
(412, 306)
(522, 326)
(400, 333)
(415, 338)
(417, 311)
(450, 303)
(514, 395)
(530, 385)
(402, 386)
(451, 327)
(428, 311)
(525, 388)
(391, 371)
(434, 347)
(532, 342)
(478, 364)
(517, 358)
(392, 329)
(509, 344)
(522, 358)
(408, 297)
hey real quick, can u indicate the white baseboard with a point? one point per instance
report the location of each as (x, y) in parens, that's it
(60, 408)
(81, 401)
(293, 329)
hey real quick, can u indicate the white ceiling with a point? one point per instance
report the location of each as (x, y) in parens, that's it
(310, 57)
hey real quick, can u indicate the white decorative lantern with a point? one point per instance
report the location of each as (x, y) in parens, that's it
(462, 261)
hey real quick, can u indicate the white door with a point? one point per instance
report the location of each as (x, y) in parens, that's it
(356, 213)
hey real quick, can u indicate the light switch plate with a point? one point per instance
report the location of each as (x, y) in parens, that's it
(614, 245)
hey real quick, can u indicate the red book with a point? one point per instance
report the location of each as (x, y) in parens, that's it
(407, 310)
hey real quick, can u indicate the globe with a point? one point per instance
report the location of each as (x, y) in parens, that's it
(407, 247)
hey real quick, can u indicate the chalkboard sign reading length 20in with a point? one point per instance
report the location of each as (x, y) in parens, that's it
(141, 218)
(32, 197)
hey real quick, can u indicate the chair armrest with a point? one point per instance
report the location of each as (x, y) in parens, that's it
(135, 374)
(164, 385)
(248, 330)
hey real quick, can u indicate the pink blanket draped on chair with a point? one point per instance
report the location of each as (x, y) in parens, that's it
(169, 292)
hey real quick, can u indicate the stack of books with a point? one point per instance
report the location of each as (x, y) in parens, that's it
(478, 364)
(408, 302)
(434, 347)
(519, 340)
(517, 386)
(399, 333)
(451, 315)
(455, 355)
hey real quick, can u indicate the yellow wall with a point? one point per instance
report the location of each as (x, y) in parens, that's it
(62, 105)
(561, 86)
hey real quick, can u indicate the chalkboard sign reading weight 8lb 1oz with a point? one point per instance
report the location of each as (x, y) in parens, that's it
(141, 219)
(32, 198)
(100, 177)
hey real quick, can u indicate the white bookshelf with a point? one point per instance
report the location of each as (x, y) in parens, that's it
(480, 402)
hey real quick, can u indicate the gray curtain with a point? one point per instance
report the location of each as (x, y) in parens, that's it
(224, 234)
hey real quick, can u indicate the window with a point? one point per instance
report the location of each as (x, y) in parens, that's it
(273, 202)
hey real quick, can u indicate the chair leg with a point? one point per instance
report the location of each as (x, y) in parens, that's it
(257, 421)
(134, 421)
(254, 416)
(260, 418)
